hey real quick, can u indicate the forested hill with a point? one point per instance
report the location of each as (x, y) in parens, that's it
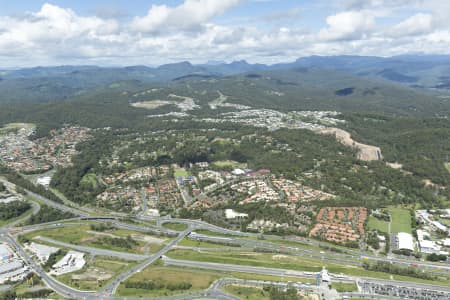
(425, 74)
(316, 89)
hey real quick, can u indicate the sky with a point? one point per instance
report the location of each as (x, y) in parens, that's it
(153, 32)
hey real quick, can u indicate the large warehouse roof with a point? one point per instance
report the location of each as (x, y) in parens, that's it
(405, 241)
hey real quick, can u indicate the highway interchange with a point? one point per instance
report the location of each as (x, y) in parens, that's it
(8, 234)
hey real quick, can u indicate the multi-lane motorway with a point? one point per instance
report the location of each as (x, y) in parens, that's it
(246, 240)
(111, 288)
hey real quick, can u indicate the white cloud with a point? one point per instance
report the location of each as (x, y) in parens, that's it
(55, 35)
(347, 25)
(51, 31)
(365, 4)
(189, 15)
(415, 25)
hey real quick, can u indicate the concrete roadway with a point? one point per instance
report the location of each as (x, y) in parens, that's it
(353, 254)
(69, 292)
(111, 288)
(204, 225)
(64, 290)
(314, 254)
(292, 273)
(235, 268)
(57, 286)
(59, 206)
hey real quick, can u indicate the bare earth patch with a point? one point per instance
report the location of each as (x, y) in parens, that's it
(395, 165)
(151, 104)
(365, 152)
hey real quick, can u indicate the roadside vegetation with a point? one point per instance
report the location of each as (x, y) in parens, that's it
(13, 210)
(97, 273)
(301, 264)
(157, 281)
(48, 214)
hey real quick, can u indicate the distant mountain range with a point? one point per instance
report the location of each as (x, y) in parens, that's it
(427, 71)
(333, 77)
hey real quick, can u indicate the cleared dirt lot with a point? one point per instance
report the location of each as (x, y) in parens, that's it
(365, 152)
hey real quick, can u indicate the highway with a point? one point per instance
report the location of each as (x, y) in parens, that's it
(322, 289)
(348, 258)
(110, 289)
(329, 256)
(58, 206)
(234, 268)
(293, 273)
(57, 286)
(436, 269)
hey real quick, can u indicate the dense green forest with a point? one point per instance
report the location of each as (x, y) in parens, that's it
(13, 209)
(421, 145)
(48, 214)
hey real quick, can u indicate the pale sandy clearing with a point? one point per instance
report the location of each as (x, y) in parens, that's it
(365, 152)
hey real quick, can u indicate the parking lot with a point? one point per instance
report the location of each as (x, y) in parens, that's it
(402, 292)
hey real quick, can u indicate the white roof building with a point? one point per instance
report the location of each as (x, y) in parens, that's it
(5, 253)
(446, 242)
(71, 262)
(404, 241)
(238, 172)
(439, 226)
(45, 181)
(42, 252)
(423, 235)
(231, 214)
(10, 266)
(324, 276)
(429, 247)
(12, 271)
(153, 212)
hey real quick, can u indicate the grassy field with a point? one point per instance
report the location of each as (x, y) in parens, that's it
(444, 221)
(246, 292)
(71, 234)
(199, 279)
(89, 179)
(212, 233)
(278, 241)
(15, 126)
(229, 164)
(377, 224)
(84, 236)
(447, 166)
(25, 286)
(87, 278)
(175, 226)
(288, 262)
(344, 287)
(268, 277)
(191, 243)
(181, 172)
(401, 220)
